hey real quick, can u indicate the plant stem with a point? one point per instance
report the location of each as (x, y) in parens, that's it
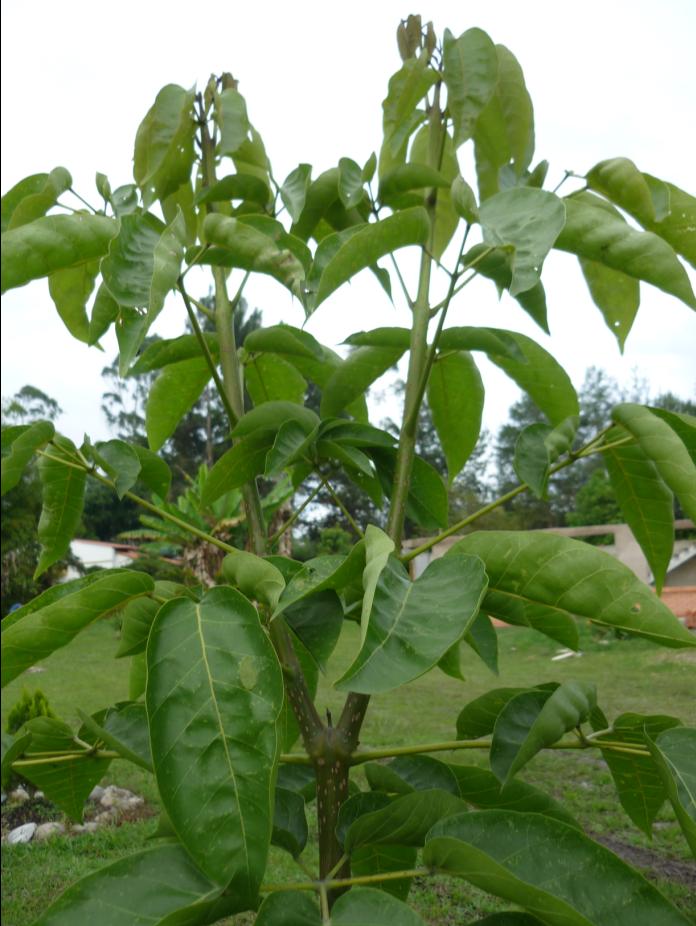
(72, 757)
(294, 516)
(344, 882)
(82, 200)
(346, 514)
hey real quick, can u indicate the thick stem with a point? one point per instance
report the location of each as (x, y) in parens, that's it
(331, 765)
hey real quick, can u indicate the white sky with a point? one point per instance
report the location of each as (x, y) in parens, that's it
(607, 79)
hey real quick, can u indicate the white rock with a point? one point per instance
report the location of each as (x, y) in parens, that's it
(47, 830)
(24, 833)
(106, 817)
(116, 797)
(90, 827)
(96, 794)
(19, 794)
(39, 795)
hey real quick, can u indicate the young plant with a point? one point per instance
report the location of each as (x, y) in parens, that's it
(223, 682)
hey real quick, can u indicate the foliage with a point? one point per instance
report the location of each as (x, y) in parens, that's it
(27, 708)
(224, 675)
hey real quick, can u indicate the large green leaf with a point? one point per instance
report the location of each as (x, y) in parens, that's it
(129, 267)
(157, 887)
(167, 258)
(504, 132)
(163, 155)
(357, 806)
(70, 289)
(124, 729)
(366, 906)
(536, 578)
(233, 121)
(320, 371)
(406, 635)
(616, 295)
(646, 504)
(356, 374)
(471, 73)
(529, 221)
(368, 244)
(22, 449)
(677, 229)
(39, 632)
(478, 717)
(236, 186)
(594, 231)
(289, 822)
(455, 397)
(255, 577)
(497, 265)
(160, 354)
(350, 183)
(317, 621)
(445, 218)
(283, 339)
(283, 907)
(490, 340)
(637, 779)
(682, 424)
(535, 719)
(174, 392)
(661, 445)
(32, 197)
(620, 181)
(138, 615)
(385, 859)
(12, 748)
(406, 178)
(269, 378)
(534, 861)
(293, 191)
(329, 571)
(154, 471)
(674, 752)
(214, 694)
(120, 461)
(405, 821)
(427, 502)
(406, 89)
(271, 415)
(62, 499)
(51, 243)
(66, 784)
(245, 460)
(537, 447)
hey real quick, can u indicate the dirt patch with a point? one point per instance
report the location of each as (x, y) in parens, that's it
(673, 869)
(31, 811)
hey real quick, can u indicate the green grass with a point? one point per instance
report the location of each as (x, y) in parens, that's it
(631, 676)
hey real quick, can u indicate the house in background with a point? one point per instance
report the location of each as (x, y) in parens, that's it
(679, 592)
(100, 553)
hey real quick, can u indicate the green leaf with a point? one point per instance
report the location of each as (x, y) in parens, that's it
(154, 472)
(124, 729)
(406, 178)
(283, 907)
(330, 571)
(489, 340)
(317, 622)
(661, 445)
(535, 719)
(121, 462)
(290, 446)
(62, 499)
(271, 415)
(364, 906)
(269, 378)
(368, 244)
(427, 502)
(538, 579)
(290, 830)
(32, 197)
(471, 74)
(479, 787)
(219, 657)
(164, 154)
(537, 447)
(137, 676)
(496, 265)
(12, 748)
(131, 327)
(677, 228)
(236, 186)
(392, 338)
(455, 397)
(616, 295)
(357, 806)
(406, 89)
(293, 191)
(288, 727)
(250, 157)
(504, 131)
(360, 369)
(534, 861)
(66, 784)
(136, 620)
(621, 182)
(483, 640)
(51, 243)
(23, 448)
(529, 221)
(167, 258)
(283, 339)
(320, 371)
(674, 752)
(255, 577)
(683, 425)
(130, 264)
(646, 504)
(238, 244)
(104, 311)
(37, 633)
(350, 183)
(464, 200)
(446, 217)
(174, 392)
(232, 118)
(478, 717)
(245, 460)
(595, 231)
(405, 821)
(405, 637)
(161, 353)
(637, 779)
(70, 289)
(508, 919)
(125, 200)
(377, 860)
(405, 774)
(122, 894)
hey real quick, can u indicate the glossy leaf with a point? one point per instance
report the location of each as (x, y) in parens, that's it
(120, 461)
(535, 719)
(365, 906)
(70, 289)
(478, 717)
(677, 228)
(317, 621)
(214, 693)
(136, 620)
(52, 243)
(66, 784)
(616, 295)
(122, 894)
(471, 73)
(124, 729)
(293, 191)
(529, 221)
(534, 861)
(245, 460)
(483, 640)
(40, 632)
(455, 397)
(405, 635)
(131, 327)
(255, 577)
(129, 266)
(160, 354)
(674, 752)
(405, 774)
(682, 424)
(464, 200)
(283, 339)
(637, 779)
(329, 571)
(661, 445)
(62, 499)
(23, 448)
(646, 504)
(32, 197)
(164, 155)
(104, 312)
(269, 378)
(271, 415)
(27, 188)
(167, 258)
(596, 232)
(368, 244)
(357, 806)
(408, 177)
(537, 447)
(176, 390)
(537, 579)
(290, 446)
(405, 821)
(490, 340)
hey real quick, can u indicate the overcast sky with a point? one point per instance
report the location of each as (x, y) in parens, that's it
(607, 79)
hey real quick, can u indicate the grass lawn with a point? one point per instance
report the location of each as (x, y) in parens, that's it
(631, 676)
